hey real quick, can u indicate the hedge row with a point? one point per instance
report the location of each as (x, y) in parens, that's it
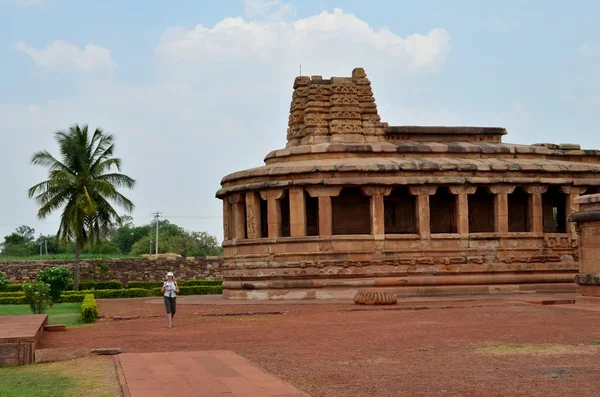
(12, 294)
(190, 283)
(112, 284)
(89, 309)
(144, 284)
(16, 300)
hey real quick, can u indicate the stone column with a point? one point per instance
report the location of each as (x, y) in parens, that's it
(536, 215)
(297, 212)
(423, 221)
(239, 221)
(377, 209)
(226, 235)
(253, 214)
(572, 205)
(462, 209)
(588, 225)
(325, 215)
(273, 211)
(501, 207)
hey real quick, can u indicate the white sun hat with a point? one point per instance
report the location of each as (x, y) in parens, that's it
(170, 274)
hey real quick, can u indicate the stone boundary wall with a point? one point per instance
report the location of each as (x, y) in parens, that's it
(124, 270)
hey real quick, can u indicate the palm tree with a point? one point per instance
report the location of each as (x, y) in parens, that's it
(83, 184)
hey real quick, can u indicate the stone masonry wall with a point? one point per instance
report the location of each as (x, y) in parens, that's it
(125, 270)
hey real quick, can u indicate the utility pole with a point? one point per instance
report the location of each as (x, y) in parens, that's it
(300, 69)
(156, 216)
(41, 245)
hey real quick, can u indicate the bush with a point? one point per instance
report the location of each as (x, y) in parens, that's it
(14, 287)
(145, 284)
(71, 298)
(13, 300)
(189, 283)
(89, 309)
(37, 295)
(112, 284)
(58, 278)
(122, 293)
(11, 294)
(4, 282)
(201, 290)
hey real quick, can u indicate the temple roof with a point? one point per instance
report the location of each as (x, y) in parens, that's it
(408, 164)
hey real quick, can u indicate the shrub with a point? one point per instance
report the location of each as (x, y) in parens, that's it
(112, 284)
(156, 291)
(11, 294)
(58, 278)
(145, 284)
(37, 295)
(4, 282)
(12, 300)
(201, 290)
(189, 283)
(71, 298)
(122, 293)
(14, 287)
(89, 309)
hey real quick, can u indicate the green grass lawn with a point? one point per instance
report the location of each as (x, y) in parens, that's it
(61, 313)
(91, 377)
(63, 257)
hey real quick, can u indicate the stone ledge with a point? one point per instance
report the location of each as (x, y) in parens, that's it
(587, 279)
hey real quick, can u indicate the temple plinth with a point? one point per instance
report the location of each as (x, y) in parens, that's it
(587, 221)
(354, 205)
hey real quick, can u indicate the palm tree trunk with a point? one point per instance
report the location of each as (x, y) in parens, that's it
(76, 267)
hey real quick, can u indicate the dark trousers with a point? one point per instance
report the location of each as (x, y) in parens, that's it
(170, 305)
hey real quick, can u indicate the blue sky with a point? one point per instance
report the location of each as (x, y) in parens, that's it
(189, 105)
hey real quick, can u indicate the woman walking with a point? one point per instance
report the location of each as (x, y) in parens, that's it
(169, 290)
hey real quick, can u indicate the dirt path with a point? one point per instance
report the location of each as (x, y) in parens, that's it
(335, 350)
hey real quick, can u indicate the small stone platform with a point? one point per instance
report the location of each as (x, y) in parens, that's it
(200, 373)
(19, 337)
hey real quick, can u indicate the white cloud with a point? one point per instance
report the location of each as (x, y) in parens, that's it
(587, 50)
(330, 42)
(220, 105)
(268, 9)
(503, 25)
(29, 3)
(68, 56)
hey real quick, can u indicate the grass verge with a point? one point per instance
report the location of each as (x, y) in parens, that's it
(531, 348)
(90, 377)
(61, 313)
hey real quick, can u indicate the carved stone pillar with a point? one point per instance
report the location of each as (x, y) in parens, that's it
(239, 216)
(377, 209)
(273, 211)
(226, 221)
(462, 211)
(325, 215)
(572, 205)
(423, 220)
(501, 207)
(536, 215)
(297, 212)
(253, 215)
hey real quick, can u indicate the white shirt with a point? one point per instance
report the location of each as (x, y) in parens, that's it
(170, 288)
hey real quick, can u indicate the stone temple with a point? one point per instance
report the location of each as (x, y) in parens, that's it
(354, 205)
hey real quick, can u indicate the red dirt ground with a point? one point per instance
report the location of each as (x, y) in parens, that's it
(336, 350)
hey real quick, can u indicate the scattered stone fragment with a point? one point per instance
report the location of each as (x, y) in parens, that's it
(107, 351)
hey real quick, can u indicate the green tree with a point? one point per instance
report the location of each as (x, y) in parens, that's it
(20, 242)
(84, 185)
